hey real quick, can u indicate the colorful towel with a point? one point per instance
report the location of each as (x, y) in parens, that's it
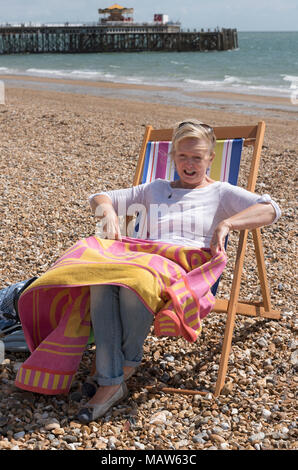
(172, 281)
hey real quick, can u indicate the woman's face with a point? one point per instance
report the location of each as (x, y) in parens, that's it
(192, 158)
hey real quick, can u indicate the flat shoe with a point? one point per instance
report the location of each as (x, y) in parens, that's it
(93, 411)
(89, 389)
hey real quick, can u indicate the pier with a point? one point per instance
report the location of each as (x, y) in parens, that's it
(83, 39)
(116, 32)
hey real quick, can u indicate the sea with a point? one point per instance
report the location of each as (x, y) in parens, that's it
(266, 63)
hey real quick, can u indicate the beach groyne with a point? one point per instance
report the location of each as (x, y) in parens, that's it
(83, 39)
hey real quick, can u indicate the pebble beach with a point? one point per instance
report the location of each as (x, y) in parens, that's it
(58, 148)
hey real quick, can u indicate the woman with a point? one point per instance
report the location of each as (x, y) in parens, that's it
(120, 319)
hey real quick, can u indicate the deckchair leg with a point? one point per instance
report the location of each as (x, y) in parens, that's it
(262, 269)
(231, 314)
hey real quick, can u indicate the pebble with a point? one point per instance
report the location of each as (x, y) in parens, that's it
(139, 445)
(217, 438)
(208, 396)
(198, 440)
(262, 342)
(256, 437)
(266, 413)
(19, 435)
(169, 358)
(224, 446)
(225, 426)
(52, 425)
(70, 438)
(57, 431)
(294, 358)
(56, 443)
(160, 418)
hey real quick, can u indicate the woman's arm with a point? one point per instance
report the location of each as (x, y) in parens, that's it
(254, 216)
(101, 201)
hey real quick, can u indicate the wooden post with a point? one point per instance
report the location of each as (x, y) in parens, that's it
(262, 269)
(231, 313)
(139, 168)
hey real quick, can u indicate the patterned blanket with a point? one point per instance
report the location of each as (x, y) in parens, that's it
(172, 281)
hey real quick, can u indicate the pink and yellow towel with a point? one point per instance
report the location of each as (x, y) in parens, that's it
(173, 282)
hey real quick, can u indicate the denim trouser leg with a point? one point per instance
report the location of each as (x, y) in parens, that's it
(121, 324)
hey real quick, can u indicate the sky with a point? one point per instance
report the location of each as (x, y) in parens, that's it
(245, 15)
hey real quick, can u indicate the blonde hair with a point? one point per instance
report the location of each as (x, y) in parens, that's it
(192, 129)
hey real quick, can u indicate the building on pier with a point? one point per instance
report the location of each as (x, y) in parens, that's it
(116, 13)
(116, 21)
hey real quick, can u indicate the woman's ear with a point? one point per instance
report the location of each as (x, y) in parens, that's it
(212, 156)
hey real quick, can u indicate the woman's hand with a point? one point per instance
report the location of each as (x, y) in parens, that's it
(109, 221)
(255, 216)
(111, 226)
(217, 243)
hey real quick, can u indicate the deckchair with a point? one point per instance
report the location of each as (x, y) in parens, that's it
(154, 163)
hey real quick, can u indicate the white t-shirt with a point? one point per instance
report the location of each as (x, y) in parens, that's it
(183, 216)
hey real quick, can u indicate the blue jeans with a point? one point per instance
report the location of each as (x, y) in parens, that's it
(121, 323)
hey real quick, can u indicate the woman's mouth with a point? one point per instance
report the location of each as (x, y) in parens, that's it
(189, 173)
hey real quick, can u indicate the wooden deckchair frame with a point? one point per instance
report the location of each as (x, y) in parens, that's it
(253, 136)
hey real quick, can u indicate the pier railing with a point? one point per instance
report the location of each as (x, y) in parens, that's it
(69, 38)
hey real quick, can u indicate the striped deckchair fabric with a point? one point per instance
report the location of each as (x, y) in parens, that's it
(158, 164)
(225, 166)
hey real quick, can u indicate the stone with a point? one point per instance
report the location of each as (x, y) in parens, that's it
(225, 426)
(208, 396)
(139, 445)
(217, 438)
(51, 425)
(160, 418)
(69, 438)
(227, 388)
(294, 358)
(256, 437)
(19, 435)
(266, 413)
(169, 358)
(224, 446)
(262, 342)
(198, 440)
(5, 445)
(57, 431)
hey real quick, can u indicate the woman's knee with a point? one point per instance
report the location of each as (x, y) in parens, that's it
(102, 291)
(131, 306)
